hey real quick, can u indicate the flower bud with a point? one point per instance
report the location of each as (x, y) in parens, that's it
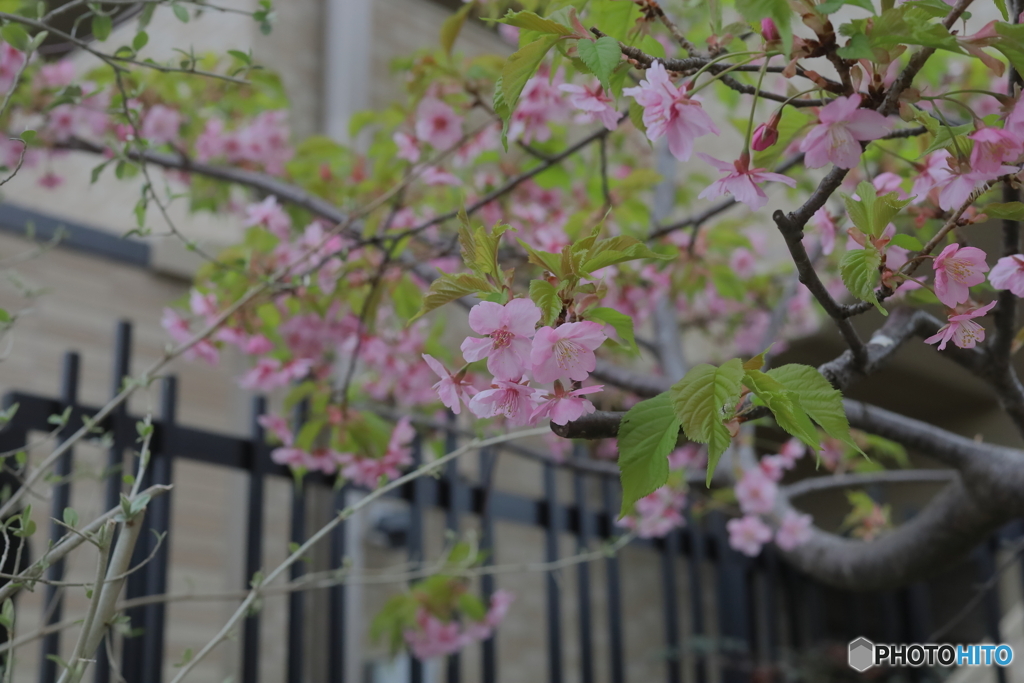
(769, 30)
(765, 135)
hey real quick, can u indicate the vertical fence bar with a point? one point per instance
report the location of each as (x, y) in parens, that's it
(254, 539)
(584, 534)
(61, 499)
(554, 595)
(297, 599)
(669, 551)
(614, 586)
(696, 576)
(987, 572)
(115, 457)
(337, 597)
(417, 499)
(455, 507)
(159, 519)
(488, 460)
(733, 616)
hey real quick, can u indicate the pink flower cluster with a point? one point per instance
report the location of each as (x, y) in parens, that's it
(433, 637)
(263, 142)
(515, 349)
(660, 512)
(670, 112)
(756, 493)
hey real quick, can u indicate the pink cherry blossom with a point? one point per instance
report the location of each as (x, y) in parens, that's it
(1008, 273)
(270, 215)
(992, 148)
(160, 125)
(756, 492)
(764, 137)
(742, 262)
(57, 74)
(452, 389)
(841, 127)
(934, 171)
(748, 535)
(794, 531)
(408, 148)
(962, 329)
(956, 270)
(278, 427)
(594, 103)
(270, 374)
(562, 407)
(433, 637)
(741, 181)
(513, 400)
(773, 467)
(690, 455)
(825, 225)
(791, 451)
(437, 124)
(212, 142)
(656, 514)
(566, 351)
(11, 61)
(669, 111)
(769, 31)
(507, 344)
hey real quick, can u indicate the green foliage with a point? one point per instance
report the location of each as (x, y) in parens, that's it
(778, 11)
(647, 434)
(1013, 211)
(601, 57)
(531, 21)
(859, 270)
(449, 288)
(544, 294)
(15, 35)
(907, 242)
(785, 406)
(701, 400)
(518, 69)
(818, 398)
(452, 26)
(620, 322)
(873, 212)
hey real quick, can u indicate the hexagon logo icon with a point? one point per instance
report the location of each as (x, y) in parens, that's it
(862, 654)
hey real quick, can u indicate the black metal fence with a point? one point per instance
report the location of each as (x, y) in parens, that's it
(768, 623)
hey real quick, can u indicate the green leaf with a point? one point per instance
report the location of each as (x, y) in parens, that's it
(830, 6)
(785, 406)
(544, 294)
(1001, 4)
(1013, 211)
(778, 11)
(616, 250)
(601, 57)
(700, 400)
(140, 40)
(647, 434)
(873, 213)
(858, 47)
(859, 269)
(181, 13)
(472, 606)
(533, 22)
(907, 242)
(620, 322)
(727, 283)
(636, 116)
(101, 26)
(452, 26)
(518, 69)
(545, 259)
(70, 517)
(5, 317)
(15, 35)
(818, 398)
(449, 288)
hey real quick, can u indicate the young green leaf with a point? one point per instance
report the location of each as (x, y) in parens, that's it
(520, 67)
(647, 434)
(449, 288)
(785, 406)
(452, 26)
(101, 26)
(907, 242)
(700, 400)
(601, 57)
(15, 35)
(859, 269)
(818, 398)
(531, 21)
(620, 322)
(544, 294)
(1013, 211)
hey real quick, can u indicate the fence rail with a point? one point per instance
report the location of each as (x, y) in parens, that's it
(763, 611)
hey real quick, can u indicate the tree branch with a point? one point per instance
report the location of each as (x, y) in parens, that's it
(818, 484)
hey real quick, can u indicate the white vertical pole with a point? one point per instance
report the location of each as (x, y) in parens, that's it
(348, 27)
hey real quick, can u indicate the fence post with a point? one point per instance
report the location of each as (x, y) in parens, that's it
(488, 461)
(258, 459)
(615, 646)
(455, 508)
(584, 532)
(61, 499)
(554, 592)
